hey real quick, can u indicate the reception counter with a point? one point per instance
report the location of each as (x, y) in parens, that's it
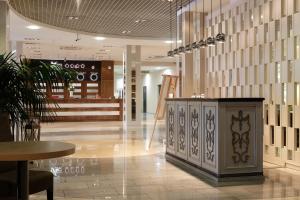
(219, 139)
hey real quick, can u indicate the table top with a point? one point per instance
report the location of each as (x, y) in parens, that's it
(22, 151)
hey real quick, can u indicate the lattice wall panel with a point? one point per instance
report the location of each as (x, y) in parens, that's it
(261, 58)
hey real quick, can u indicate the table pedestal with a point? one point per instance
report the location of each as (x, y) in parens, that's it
(23, 179)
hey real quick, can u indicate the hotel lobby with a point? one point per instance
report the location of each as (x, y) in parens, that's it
(149, 100)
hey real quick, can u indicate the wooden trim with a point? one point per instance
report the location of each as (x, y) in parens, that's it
(73, 100)
(86, 118)
(78, 109)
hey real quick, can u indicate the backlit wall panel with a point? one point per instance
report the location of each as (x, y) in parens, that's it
(261, 58)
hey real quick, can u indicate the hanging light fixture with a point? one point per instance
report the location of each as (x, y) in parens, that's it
(220, 37)
(171, 53)
(202, 42)
(210, 41)
(195, 45)
(175, 51)
(188, 47)
(181, 48)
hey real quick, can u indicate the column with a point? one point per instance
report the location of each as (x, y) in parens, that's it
(17, 47)
(4, 27)
(187, 58)
(193, 66)
(132, 85)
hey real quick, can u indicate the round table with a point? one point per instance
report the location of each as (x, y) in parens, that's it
(22, 152)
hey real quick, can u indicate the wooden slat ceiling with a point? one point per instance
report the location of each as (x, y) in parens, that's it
(108, 17)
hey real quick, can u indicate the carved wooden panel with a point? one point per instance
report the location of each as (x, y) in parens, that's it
(171, 127)
(241, 133)
(181, 148)
(194, 131)
(209, 138)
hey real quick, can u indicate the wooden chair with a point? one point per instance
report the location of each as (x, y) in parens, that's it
(38, 180)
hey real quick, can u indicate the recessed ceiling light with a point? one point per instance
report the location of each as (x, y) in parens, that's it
(126, 32)
(108, 50)
(72, 17)
(100, 38)
(33, 27)
(171, 42)
(140, 20)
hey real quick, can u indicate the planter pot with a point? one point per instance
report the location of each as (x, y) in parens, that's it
(5, 131)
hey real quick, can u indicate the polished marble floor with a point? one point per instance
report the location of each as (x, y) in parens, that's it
(112, 162)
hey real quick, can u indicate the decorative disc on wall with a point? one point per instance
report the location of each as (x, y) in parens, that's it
(94, 76)
(80, 76)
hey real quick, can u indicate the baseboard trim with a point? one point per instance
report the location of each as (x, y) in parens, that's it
(214, 179)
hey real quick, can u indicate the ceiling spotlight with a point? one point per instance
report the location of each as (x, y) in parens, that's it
(181, 50)
(175, 52)
(210, 41)
(99, 38)
(188, 48)
(195, 45)
(33, 27)
(220, 38)
(202, 44)
(170, 54)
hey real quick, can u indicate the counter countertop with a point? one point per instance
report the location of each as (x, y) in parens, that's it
(218, 99)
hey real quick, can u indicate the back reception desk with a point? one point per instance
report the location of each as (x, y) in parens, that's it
(218, 139)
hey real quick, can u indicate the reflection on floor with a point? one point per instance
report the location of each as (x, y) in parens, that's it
(112, 162)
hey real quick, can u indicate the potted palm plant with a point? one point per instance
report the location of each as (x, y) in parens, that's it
(22, 85)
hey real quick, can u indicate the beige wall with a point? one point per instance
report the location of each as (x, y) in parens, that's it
(151, 81)
(261, 58)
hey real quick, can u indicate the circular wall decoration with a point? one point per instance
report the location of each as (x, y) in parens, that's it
(94, 76)
(66, 65)
(93, 67)
(82, 66)
(76, 66)
(72, 66)
(80, 76)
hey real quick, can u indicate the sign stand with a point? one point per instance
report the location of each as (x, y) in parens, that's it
(168, 89)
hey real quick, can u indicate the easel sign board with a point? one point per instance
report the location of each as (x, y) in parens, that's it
(168, 90)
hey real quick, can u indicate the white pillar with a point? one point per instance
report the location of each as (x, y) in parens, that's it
(132, 86)
(4, 27)
(17, 47)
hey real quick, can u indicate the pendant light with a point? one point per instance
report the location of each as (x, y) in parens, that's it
(175, 51)
(211, 40)
(220, 38)
(181, 48)
(171, 53)
(202, 42)
(188, 47)
(195, 45)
